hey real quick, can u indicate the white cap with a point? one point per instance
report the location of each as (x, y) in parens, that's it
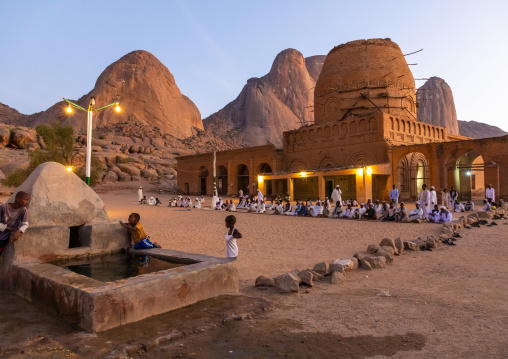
(432, 187)
(337, 186)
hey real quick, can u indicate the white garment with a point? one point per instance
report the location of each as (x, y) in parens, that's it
(316, 210)
(260, 196)
(433, 198)
(424, 203)
(445, 199)
(151, 201)
(198, 204)
(231, 246)
(348, 213)
(416, 213)
(490, 193)
(487, 207)
(361, 211)
(394, 195)
(336, 196)
(232, 208)
(459, 207)
(140, 195)
(444, 217)
(261, 208)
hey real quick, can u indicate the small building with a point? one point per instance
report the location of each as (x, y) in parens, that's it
(366, 138)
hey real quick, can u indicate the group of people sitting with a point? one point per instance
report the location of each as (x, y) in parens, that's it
(150, 201)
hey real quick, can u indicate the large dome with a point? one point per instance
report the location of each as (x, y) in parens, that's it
(362, 77)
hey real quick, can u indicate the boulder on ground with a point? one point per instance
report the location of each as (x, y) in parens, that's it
(109, 177)
(376, 262)
(316, 275)
(399, 245)
(124, 177)
(355, 263)
(337, 278)
(287, 283)
(60, 198)
(150, 175)
(322, 268)
(388, 249)
(389, 242)
(341, 265)
(411, 246)
(135, 178)
(263, 281)
(306, 277)
(19, 138)
(431, 242)
(130, 169)
(385, 254)
(5, 136)
(372, 248)
(134, 149)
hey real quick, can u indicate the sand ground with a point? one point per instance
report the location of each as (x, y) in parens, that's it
(448, 303)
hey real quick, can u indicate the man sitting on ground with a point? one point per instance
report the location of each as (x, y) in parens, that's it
(486, 206)
(416, 214)
(348, 213)
(469, 206)
(434, 214)
(370, 213)
(444, 215)
(337, 210)
(359, 211)
(401, 213)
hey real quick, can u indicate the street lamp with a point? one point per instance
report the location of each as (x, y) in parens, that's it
(90, 112)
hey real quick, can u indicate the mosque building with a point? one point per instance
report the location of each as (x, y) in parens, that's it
(365, 138)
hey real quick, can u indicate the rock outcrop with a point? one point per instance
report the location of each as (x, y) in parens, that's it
(436, 105)
(479, 130)
(279, 101)
(10, 115)
(147, 92)
(60, 198)
(314, 65)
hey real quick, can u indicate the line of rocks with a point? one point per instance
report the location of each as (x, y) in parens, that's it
(376, 256)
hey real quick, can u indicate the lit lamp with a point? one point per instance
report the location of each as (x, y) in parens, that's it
(69, 168)
(303, 174)
(359, 171)
(468, 173)
(260, 179)
(369, 171)
(90, 112)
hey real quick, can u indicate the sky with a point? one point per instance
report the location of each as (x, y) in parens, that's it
(54, 49)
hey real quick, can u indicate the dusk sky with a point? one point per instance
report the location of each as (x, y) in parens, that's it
(55, 49)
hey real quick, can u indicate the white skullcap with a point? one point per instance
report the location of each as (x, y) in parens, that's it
(442, 207)
(432, 187)
(337, 186)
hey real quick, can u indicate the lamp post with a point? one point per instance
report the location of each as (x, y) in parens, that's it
(90, 111)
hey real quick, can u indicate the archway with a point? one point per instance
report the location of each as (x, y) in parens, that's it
(412, 173)
(222, 180)
(262, 169)
(469, 175)
(203, 174)
(243, 178)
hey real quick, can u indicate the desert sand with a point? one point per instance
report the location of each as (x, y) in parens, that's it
(448, 303)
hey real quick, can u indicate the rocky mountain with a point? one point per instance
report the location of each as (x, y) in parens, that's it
(479, 130)
(436, 105)
(314, 65)
(10, 115)
(279, 101)
(147, 92)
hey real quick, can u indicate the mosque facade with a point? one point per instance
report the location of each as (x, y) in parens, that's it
(365, 138)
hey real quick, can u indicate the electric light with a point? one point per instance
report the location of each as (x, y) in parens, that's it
(303, 174)
(369, 170)
(468, 173)
(117, 108)
(359, 171)
(69, 109)
(260, 179)
(69, 168)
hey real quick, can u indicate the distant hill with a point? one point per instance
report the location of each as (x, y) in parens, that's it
(479, 130)
(280, 101)
(147, 92)
(436, 105)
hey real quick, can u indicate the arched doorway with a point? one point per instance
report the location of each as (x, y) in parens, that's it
(262, 169)
(468, 175)
(243, 178)
(203, 178)
(412, 173)
(222, 180)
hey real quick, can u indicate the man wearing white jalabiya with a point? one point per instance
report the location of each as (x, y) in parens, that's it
(490, 193)
(424, 200)
(394, 196)
(433, 197)
(140, 194)
(416, 213)
(151, 201)
(445, 198)
(260, 196)
(336, 195)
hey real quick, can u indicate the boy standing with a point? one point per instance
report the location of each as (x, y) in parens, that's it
(13, 219)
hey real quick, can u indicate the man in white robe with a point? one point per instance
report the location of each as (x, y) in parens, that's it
(140, 194)
(348, 212)
(433, 197)
(394, 196)
(261, 207)
(454, 196)
(336, 195)
(424, 200)
(490, 193)
(151, 201)
(360, 211)
(198, 203)
(401, 213)
(486, 206)
(260, 196)
(444, 216)
(316, 210)
(416, 213)
(445, 198)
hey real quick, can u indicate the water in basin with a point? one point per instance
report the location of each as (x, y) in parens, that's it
(112, 267)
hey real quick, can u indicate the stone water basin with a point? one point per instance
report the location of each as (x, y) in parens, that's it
(106, 294)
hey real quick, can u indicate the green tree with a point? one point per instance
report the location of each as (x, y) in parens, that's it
(59, 141)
